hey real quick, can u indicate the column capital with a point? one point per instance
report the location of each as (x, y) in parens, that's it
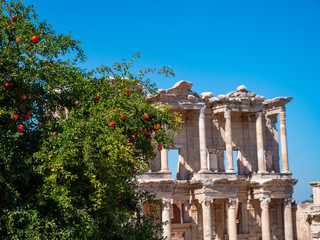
(206, 202)
(232, 202)
(166, 202)
(282, 116)
(259, 114)
(314, 184)
(202, 111)
(287, 202)
(264, 203)
(207, 220)
(227, 114)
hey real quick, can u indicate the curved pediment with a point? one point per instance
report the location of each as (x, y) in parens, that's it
(242, 95)
(180, 96)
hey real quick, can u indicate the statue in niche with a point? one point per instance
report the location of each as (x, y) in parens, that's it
(269, 160)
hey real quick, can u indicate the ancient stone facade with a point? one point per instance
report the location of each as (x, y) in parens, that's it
(230, 182)
(308, 216)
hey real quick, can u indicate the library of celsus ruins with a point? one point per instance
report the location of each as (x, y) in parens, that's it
(233, 179)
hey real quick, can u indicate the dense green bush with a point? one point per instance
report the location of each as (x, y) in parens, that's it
(72, 142)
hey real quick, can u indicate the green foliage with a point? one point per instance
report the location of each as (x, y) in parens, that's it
(71, 172)
(308, 200)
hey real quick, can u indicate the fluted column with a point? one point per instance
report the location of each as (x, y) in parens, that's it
(227, 115)
(207, 221)
(283, 140)
(260, 144)
(164, 161)
(232, 224)
(288, 227)
(166, 202)
(202, 140)
(265, 219)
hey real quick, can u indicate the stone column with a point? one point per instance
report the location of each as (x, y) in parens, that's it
(207, 222)
(166, 202)
(283, 140)
(316, 192)
(260, 145)
(232, 224)
(288, 226)
(194, 219)
(265, 220)
(202, 140)
(164, 161)
(227, 115)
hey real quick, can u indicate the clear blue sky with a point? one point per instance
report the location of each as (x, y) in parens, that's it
(270, 46)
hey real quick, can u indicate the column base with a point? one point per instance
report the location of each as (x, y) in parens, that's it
(230, 171)
(285, 171)
(262, 171)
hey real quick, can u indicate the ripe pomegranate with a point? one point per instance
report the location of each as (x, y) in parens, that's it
(20, 128)
(15, 116)
(35, 39)
(146, 116)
